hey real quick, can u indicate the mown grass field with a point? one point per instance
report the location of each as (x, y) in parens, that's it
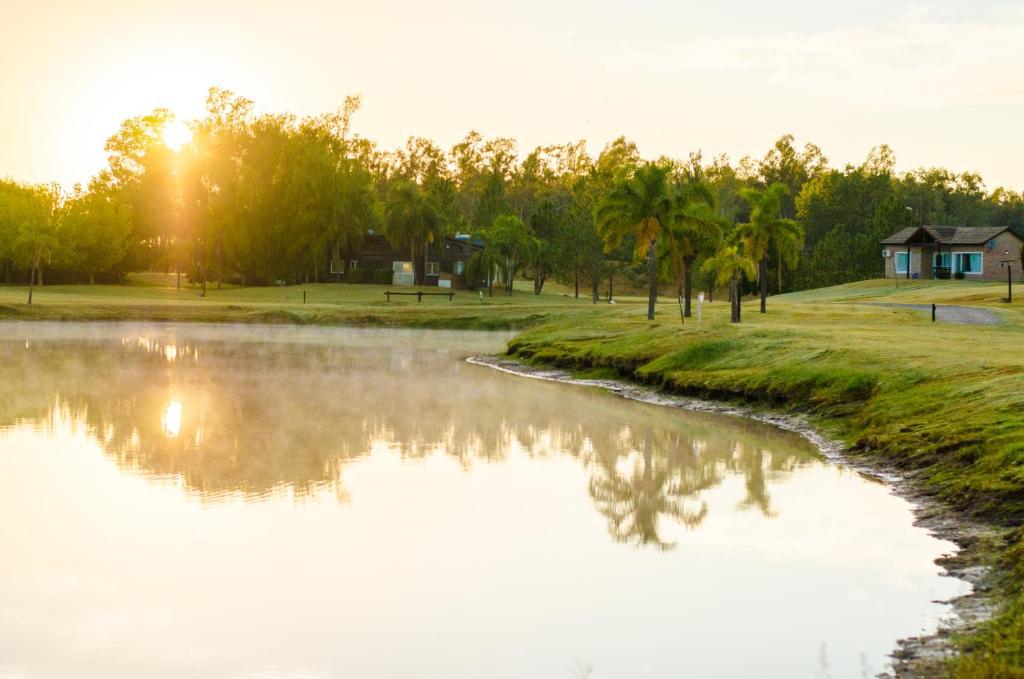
(942, 402)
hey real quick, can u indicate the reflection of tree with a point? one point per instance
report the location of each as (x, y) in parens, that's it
(261, 418)
(636, 501)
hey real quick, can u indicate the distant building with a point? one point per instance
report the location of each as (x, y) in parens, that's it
(378, 261)
(978, 253)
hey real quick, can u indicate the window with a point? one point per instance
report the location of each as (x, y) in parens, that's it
(353, 264)
(433, 268)
(460, 266)
(967, 262)
(336, 266)
(900, 261)
(402, 267)
(941, 260)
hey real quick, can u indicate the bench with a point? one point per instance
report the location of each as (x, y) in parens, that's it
(419, 294)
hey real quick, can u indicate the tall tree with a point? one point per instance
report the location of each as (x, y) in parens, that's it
(769, 231)
(695, 231)
(411, 221)
(729, 266)
(640, 205)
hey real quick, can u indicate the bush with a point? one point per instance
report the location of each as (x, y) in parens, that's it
(959, 275)
(359, 276)
(382, 276)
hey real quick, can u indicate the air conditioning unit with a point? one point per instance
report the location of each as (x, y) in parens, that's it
(887, 253)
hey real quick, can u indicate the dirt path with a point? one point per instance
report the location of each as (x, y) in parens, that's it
(954, 314)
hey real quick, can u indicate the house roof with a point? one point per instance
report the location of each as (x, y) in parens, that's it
(947, 235)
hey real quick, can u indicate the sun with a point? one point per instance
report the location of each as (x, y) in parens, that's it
(176, 134)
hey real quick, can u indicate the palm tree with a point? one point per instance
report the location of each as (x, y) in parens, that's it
(729, 266)
(696, 230)
(639, 205)
(769, 230)
(411, 221)
(636, 500)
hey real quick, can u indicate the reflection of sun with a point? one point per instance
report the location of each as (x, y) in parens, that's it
(171, 421)
(176, 134)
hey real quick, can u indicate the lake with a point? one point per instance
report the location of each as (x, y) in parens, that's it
(254, 501)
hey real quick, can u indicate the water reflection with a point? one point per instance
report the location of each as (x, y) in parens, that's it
(259, 418)
(314, 502)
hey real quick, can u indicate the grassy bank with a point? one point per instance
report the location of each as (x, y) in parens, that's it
(943, 403)
(156, 298)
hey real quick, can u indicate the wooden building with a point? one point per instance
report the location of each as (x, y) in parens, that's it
(378, 261)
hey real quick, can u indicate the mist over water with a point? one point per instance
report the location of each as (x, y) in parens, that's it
(190, 500)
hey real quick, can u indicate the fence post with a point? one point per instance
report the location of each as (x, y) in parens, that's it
(419, 295)
(387, 293)
(303, 296)
(933, 313)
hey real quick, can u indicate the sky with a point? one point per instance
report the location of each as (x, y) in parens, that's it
(941, 82)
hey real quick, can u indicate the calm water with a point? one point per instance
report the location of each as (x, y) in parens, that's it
(190, 501)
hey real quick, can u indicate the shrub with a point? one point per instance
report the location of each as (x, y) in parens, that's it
(382, 276)
(959, 275)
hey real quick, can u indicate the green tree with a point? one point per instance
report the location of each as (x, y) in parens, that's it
(94, 227)
(769, 231)
(695, 231)
(640, 205)
(729, 266)
(32, 211)
(411, 221)
(513, 244)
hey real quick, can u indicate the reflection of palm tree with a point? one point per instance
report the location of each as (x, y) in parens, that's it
(757, 492)
(635, 503)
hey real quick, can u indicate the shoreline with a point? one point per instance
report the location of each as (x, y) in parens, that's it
(913, 657)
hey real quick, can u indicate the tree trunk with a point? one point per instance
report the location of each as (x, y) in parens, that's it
(595, 280)
(412, 256)
(687, 286)
(92, 278)
(762, 274)
(220, 265)
(177, 277)
(577, 282)
(652, 278)
(739, 300)
(734, 297)
(611, 276)
(39, 273)
(31, 281)
(778, 287)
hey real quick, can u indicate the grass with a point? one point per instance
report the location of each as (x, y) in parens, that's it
(942, 402)
(155, 298)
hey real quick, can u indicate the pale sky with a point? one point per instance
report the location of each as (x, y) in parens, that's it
(941, 82)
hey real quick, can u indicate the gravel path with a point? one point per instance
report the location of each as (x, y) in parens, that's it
(954, 314)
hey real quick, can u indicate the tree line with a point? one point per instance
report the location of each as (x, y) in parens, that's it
(260, 198)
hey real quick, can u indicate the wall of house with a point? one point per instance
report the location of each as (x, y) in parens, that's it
(915, 261)
(1004, 242)
(990, 258)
